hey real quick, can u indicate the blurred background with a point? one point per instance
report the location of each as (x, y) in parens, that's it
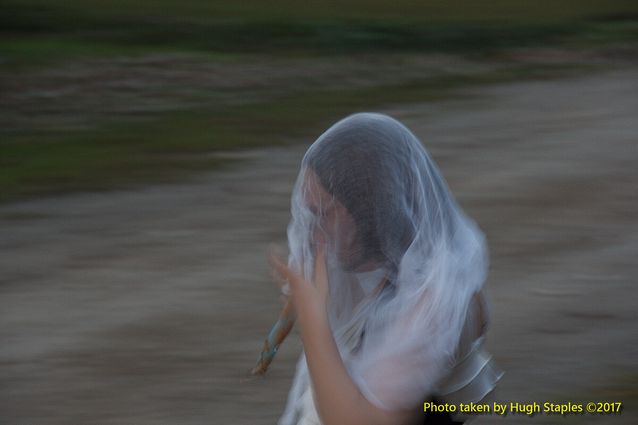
(148, 151)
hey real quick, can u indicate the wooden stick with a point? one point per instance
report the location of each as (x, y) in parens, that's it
(277, 334)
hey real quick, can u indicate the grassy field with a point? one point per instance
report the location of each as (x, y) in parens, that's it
(399, 10)
(37, 32)
(54, 144)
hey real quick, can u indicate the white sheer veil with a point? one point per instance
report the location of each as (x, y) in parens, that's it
(408, 228)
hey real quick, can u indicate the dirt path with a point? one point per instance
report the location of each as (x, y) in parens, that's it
(148, 307)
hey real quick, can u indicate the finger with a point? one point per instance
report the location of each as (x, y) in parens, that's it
(278, 279)
(280, 270)
(284, 271)
(321, 271)
(275, 251)
(320, 263)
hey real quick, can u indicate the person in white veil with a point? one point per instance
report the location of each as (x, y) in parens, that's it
(385, 273)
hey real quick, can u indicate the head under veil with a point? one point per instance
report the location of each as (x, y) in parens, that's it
(403, 259)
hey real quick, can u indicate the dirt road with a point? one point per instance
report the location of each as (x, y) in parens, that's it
(149, 306)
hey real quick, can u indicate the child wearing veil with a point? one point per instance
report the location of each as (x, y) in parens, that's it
(385, 275)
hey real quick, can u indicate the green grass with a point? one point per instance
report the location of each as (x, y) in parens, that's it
(31, 50)
(38, 34)
(181, 144)
(398, 10)
(34, 31)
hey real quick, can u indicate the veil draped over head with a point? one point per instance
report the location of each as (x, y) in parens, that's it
(371, 195)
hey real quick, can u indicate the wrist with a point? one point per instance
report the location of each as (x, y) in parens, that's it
(313, 319)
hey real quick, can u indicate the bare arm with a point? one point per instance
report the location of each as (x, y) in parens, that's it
(339, 400)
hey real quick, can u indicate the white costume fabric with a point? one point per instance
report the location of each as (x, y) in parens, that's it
(405, 269)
